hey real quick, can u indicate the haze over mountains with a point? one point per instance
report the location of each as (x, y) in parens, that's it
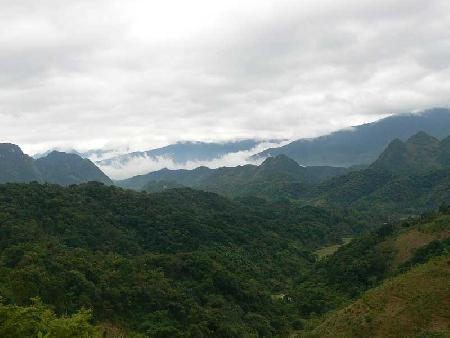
(360, 145)
(408, 177)
(356, 146)
(363, 144)
(183, 152)
(246, 251)
(187, 155)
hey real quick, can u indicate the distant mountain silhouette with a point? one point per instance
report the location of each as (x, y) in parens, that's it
(57, 167)
(183, 152)
(363, 144)
(15, 166)
(65, 169)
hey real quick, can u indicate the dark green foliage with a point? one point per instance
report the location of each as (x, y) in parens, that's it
(161, 264)
(359, 265)
(381, 194)
(424, 254)
(420, 153)
(364, 263)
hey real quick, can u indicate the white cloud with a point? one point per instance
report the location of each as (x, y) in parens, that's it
(146, 164)
(143, 74)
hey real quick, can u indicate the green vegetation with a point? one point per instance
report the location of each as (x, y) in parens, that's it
(276, 178)
(160, 264)
(385, 253)
(409, 178)
(38, 320)
(276, 260)
(415, 304)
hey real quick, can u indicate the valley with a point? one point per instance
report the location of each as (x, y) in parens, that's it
(270, 250)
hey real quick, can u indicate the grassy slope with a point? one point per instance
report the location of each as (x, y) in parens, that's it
(405, 306)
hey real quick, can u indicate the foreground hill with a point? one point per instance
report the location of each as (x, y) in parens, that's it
(56, 167)
(400, 303)
(173, 264)
(410, 305)
(363, 144)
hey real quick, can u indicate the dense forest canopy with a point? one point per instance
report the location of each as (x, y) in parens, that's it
(159, 263)
(100, 260)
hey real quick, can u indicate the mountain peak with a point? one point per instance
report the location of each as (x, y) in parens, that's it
(10, 148)
(280, 166)
(279, 160)
(421, 152)
(67, 168)
(62, 154)
(422, 138)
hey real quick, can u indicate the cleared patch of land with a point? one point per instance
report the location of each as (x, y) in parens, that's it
(331, 249)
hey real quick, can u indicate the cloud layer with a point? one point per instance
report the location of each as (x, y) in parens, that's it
(107, 73)
(143, 165)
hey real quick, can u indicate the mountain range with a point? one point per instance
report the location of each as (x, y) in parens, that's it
(237, 181)
(270, 250)
(182, 152)
(408, 176)
(363, 144)
(355, 146)
(57, 167)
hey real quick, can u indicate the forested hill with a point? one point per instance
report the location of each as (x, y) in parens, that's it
(421, 153)
(165, 265)
(398, 276)
(266, 180)
(56, 167)
(408, 178)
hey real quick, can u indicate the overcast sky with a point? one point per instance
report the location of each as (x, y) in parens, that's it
(89, 73)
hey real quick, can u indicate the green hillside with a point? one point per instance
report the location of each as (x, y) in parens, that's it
(414, 304)
(371, 262)
(407, 179)
(420, 153)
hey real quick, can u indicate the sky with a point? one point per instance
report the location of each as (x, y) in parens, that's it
(142, 74)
